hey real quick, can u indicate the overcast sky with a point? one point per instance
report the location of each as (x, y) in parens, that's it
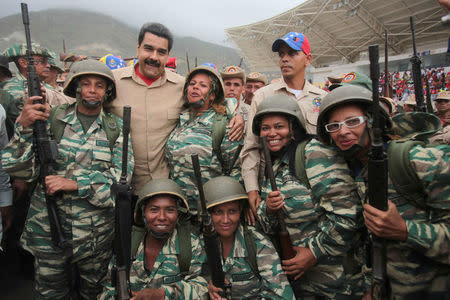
(204, 19)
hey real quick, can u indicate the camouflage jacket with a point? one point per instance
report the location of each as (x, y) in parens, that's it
(86, 214)
(246, 285)
(193, 135)
(326, 219)
(165, 272)
(414, 263)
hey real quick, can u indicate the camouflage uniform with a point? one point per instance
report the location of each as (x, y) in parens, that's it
(87, 215)
(245, 284)
(193, 135)
(326, 219)
(165, 272)
(412, 265)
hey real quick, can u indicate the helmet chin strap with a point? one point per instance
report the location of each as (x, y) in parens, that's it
(86, 103)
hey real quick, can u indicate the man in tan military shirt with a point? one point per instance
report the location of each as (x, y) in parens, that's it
(294, 56)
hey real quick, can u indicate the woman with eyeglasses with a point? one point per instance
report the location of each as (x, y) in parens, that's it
(317, 200)
(416, 228)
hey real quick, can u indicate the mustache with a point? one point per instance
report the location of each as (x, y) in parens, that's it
(152, 62)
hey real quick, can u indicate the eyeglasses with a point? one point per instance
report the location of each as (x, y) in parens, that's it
(349, 123)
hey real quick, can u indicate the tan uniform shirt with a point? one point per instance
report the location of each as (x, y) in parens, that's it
(155, 110)
(309, 102)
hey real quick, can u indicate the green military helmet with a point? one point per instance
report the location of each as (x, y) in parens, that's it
(277, 104)
(220, 95)
(89, 67)
(346, 94)
(415, 125)
(223, 189)
(161, 186)
(18, 50)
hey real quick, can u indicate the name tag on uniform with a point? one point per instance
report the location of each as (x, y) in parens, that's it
(242, 277)
(172, 279)
(101, 143)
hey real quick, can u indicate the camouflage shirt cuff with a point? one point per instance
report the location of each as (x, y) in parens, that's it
(416, 240)
(23, 132)
(84, 187)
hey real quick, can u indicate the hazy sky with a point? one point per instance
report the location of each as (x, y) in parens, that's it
(204, 19)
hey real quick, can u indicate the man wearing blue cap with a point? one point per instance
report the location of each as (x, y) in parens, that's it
(294, 56)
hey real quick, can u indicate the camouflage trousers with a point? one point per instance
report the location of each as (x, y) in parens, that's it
(59, 278)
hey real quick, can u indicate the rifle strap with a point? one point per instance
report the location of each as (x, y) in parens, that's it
(250, 245)
(402, 174)
(137, 236)
(300, 170)
(218, 133)
(184, 240)
(57, 126)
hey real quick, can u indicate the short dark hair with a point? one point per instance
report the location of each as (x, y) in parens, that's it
(156, 29)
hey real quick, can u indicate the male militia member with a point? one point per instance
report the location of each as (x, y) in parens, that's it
(254, 82)
(294, 56)
(161, 252)
(89, 161)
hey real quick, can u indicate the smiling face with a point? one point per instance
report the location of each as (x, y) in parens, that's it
(225, 218)
(93, 89)
(153, 54)
(198, 87)
(277, 130)
(161, 214)
(346, 137)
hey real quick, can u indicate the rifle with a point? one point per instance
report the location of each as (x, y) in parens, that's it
(212, 246)
(46, 149)
(429, 105)
(122, 194)
(240, 62)
(377, 187)
(416, 71)
(284, 238)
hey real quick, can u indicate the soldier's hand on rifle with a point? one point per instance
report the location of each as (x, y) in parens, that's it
(149, 294)
(33, 111)
(214, 291)
(302, 262)
(236, 126)
(55, 183)
(253, 200)
(385, 224)
(274, 201)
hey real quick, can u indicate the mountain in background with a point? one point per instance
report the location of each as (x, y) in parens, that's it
(89, 33)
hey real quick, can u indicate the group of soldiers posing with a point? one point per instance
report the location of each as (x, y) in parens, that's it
(318, 143)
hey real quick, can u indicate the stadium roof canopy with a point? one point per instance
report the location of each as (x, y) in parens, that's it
(340, 30)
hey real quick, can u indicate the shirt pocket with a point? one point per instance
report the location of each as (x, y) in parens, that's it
(101, 154)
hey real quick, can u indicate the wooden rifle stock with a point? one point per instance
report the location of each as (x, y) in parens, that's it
(287, 250)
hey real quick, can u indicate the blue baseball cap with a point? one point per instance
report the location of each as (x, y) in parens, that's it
(295, 40)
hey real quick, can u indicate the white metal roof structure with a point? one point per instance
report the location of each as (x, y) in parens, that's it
(339, 31)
